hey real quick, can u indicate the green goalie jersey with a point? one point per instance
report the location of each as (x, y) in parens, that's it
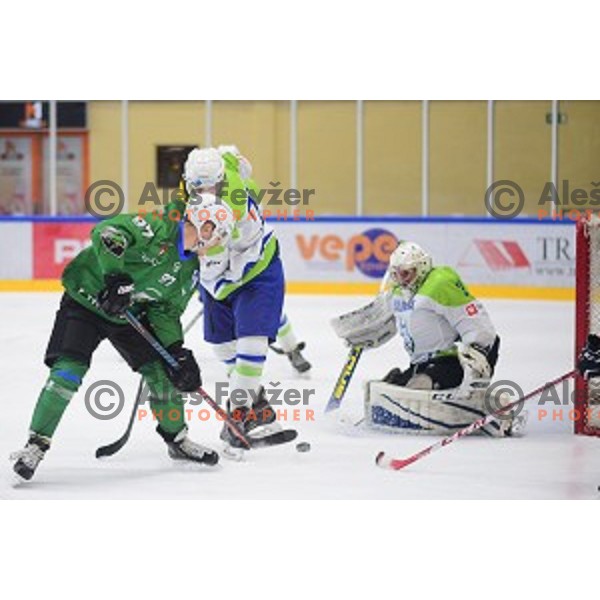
(150, 250)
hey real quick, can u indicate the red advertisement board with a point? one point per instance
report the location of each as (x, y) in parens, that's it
(55, 245)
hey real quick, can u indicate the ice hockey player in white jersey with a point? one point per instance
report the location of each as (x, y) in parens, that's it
(242, 282)
(452, 345)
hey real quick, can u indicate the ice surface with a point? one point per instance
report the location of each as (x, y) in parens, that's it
(537, 345)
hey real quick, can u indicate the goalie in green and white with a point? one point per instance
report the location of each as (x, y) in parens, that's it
(450, 339)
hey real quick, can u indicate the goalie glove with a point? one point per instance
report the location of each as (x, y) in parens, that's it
(588, 362)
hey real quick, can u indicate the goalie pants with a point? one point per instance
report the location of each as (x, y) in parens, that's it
(76, 334)
(445, 372)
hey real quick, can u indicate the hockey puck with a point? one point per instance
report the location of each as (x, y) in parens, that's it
(303, 447)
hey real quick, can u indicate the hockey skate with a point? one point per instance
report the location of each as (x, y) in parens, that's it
(297, 359)
(28, 459)
(180, 447)
(295, 356)
(255, 423)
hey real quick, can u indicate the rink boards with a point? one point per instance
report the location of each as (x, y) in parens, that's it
(523, 258)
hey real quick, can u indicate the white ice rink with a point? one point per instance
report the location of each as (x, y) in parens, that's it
(537, 345)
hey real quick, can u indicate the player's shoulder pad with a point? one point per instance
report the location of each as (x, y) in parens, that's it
(444, 286)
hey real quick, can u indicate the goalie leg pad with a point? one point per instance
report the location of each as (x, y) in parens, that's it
(423, 412)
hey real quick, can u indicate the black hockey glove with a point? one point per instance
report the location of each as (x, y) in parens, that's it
(187, 377)
(588, 362)
(115, 297)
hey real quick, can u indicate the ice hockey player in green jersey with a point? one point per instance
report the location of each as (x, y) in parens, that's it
(143, 264)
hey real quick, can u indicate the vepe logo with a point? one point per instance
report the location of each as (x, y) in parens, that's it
(498, 255)
(369, 252)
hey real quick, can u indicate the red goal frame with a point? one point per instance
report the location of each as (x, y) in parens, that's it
(582, 322)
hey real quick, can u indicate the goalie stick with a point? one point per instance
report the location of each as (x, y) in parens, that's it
(399, 463)
(115, 446)
(343, 381)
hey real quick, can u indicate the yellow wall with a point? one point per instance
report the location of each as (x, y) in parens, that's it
(522, 147)
(261, 131)
(579, 144)
(392, 157)
(153, 124)
(392, 148)
(327, 155)
(104, 122)
(457, 157)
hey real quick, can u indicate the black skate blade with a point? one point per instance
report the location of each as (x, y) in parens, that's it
(275, 439)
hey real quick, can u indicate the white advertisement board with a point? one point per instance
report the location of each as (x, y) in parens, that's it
(484, 252)
(336, 251)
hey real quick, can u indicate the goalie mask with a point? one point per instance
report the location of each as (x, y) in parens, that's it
(212, 219)
(409, 266)
(204, 168)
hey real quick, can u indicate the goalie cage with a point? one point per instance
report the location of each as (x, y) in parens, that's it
(587, 320)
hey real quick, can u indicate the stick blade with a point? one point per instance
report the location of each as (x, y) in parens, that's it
(110, 449)
(395, 464)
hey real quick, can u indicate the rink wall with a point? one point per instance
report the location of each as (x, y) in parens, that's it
(523, 258)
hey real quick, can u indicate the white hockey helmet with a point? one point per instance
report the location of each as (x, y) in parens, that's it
(213, 220)
(409, 265)
(203, 168)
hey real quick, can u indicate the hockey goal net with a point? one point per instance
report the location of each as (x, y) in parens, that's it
(587, 320)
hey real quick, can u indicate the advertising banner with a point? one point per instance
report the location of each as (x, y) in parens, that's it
(329, 255)
(15, 175)
(69, 174)
(55, 244)
(358, 251)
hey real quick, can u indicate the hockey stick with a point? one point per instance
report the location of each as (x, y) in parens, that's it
(399, 463)
(343, 381)
(137, 325)
(115, 446)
